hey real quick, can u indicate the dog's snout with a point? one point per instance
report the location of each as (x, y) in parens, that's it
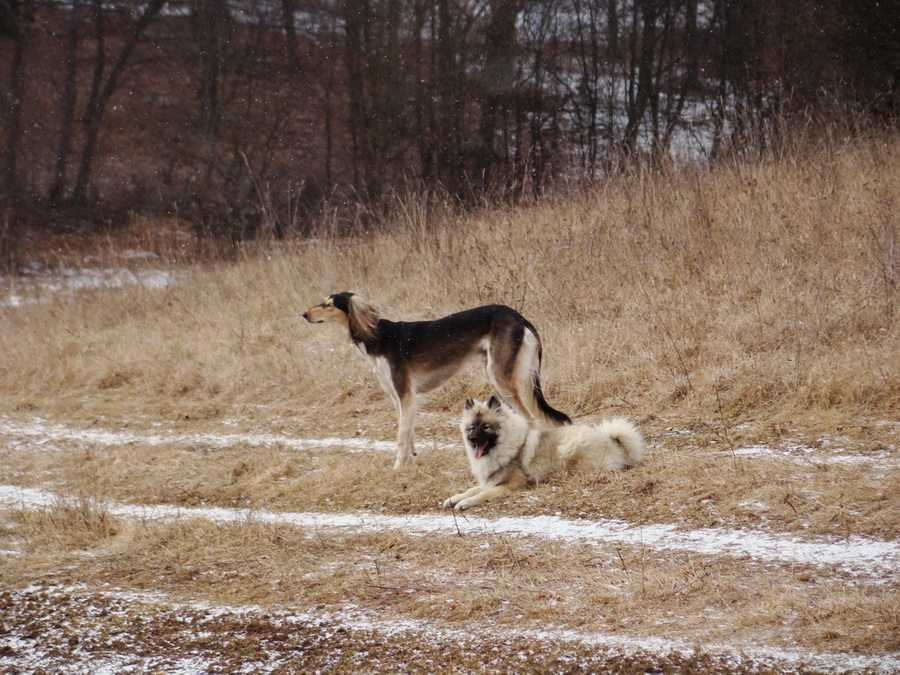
(306, 315)
(479, 435)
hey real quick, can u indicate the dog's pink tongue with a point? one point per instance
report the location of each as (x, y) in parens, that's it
(479, 450)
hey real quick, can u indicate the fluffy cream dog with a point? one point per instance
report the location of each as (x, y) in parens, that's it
(506, 454)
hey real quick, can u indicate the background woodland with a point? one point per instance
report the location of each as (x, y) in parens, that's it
(241, 117)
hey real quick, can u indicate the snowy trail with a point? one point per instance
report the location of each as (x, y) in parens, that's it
(437, 633)
(43, 433)
(865, 558)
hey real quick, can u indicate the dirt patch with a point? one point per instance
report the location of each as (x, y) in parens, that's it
(74, 630)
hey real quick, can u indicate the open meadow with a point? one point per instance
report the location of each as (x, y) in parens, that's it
(193, 479)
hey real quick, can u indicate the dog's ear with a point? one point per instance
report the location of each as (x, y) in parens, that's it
(494, 402)
(341, 300)
(470, 403)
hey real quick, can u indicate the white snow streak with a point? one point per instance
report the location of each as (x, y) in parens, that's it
(855, 555)
(44, 433)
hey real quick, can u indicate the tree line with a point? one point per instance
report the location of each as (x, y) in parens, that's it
(248, 113)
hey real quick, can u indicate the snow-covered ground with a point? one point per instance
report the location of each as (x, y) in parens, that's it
(35, 287)
(858, 556)
(125, 606)
(857, 560)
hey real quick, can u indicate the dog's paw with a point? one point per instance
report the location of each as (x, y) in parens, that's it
(401, 462)
(465, 504)
(448, 503)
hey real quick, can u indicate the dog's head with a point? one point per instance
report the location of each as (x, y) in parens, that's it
(349, 310)
(336, 307)
(481, 425)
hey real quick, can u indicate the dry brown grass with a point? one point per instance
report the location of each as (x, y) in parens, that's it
(512, 582)
(750, 303)
(763, 290)
(690, 485)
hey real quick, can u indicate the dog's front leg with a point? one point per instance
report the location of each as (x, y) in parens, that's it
(514, 481)
(406, 436)
(482, 496)
(450, 502)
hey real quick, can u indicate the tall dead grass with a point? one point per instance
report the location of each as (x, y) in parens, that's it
(757, 290)
(748, 300)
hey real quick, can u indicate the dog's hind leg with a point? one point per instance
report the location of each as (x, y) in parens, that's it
(508, 367)
(527, 383)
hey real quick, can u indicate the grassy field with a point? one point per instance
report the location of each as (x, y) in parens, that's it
(744, 316)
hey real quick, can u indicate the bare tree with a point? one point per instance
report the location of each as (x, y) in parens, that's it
(13, 17)
(642, 86)
(68, 102)
(104, 83)
(496, 81)
(594, 51)
(209, 21)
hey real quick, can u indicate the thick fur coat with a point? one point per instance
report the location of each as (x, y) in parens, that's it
(507, 454)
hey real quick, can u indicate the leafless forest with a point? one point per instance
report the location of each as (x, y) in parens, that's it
(246, 116)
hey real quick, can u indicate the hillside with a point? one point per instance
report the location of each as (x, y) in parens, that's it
(194, 479)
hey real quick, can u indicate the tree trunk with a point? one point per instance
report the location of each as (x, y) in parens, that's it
(645, 79)
(288, 9)
(101, 92)
(497, 80)
(17, 94)
(69, 100)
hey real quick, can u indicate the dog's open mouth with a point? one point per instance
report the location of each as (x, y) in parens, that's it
(482, 438)
(482, 444)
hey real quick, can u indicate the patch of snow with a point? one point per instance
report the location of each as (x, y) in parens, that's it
(34, 289)
(804, 454)
(354, 618)
(858, 556)
(41, 432)
(130, 254)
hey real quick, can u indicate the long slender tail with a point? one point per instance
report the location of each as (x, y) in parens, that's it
(549, 413)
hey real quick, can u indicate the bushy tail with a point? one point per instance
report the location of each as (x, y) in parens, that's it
(623, 432)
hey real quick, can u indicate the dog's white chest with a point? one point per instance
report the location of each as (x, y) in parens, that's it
(383, 371)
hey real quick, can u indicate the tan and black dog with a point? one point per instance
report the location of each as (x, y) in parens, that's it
(412, 358)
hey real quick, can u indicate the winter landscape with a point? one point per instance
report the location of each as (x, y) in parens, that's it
(695, 204)
(195, 480)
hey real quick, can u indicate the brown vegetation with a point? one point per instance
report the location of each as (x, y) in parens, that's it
(743, 294)
(246, 118)
(749, 304)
